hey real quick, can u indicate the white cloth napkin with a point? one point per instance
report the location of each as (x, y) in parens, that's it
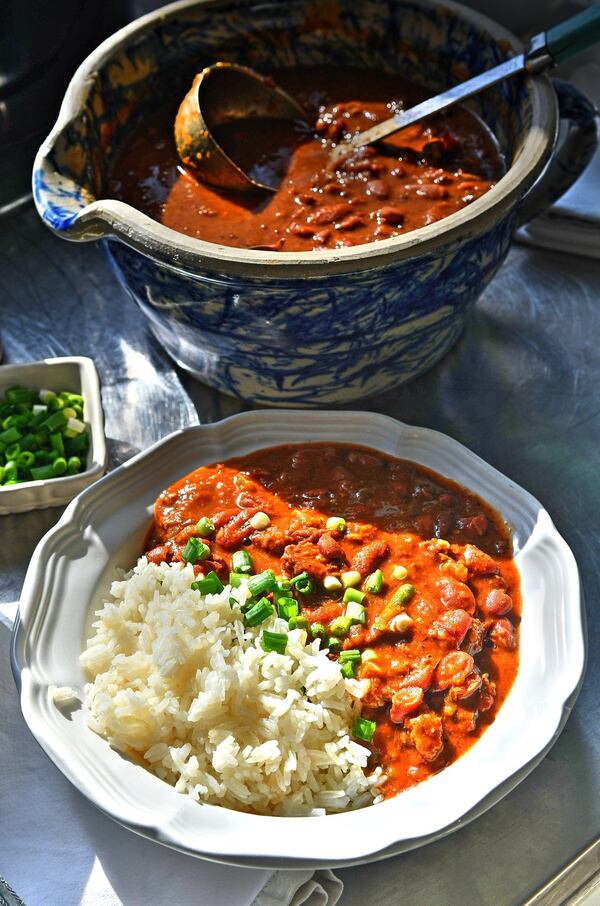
(55, 847)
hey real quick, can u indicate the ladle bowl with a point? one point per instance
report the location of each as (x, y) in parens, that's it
(220, 94)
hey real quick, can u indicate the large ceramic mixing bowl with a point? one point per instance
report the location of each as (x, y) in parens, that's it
(313, 327)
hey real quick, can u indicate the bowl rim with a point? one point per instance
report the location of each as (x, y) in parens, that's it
(217, 834)
(42, 493)
(117, 219)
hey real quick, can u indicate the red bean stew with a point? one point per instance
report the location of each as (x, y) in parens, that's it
(407, 576)
(416, 177)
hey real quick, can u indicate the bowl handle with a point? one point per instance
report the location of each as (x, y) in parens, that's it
(570, 159)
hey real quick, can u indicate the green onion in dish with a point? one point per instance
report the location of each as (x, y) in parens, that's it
(356, 613)
(353, 594)
(241, 562)
(274, 641)
(364, 729)
(374, 582)
(348, 669)
(403, 594)
(302, 584)
(195, 550)
(236, 579)
(262, 582)
(298, 622)
(204, 527)
(318, 631)
(259, 612)
(287, 608)
(340, 627)
(210, 585)
(351, 654)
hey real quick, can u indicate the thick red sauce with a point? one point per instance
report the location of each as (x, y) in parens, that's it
(418, 176)
(440, 665)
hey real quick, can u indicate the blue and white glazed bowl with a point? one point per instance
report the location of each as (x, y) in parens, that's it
(309, 328)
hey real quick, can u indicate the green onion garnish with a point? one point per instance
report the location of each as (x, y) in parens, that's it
(351, 654)
(287, 608)
(195, 550)
(210, 585)
(353, 594)
(204, 527)
(318, 631)
(241, 562)
(274, 641)
(364, 729)
(298, 622)
(348, 669)
(262, 582)
(258, 612)
(302, 584)
(333, 644)
(41, 473)
(59, 466)
(236, 579)
(403, 594)
(374, 582)
(356, 613)
(340, 626)
(10, 436)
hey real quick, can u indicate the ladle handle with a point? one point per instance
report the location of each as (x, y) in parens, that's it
(576, 34)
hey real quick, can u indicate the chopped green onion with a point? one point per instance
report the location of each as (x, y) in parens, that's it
(16, 395)
(262, 582)
(356, 613)
(10, 436)
(298, 622)
(403, 594)
(10, 470)
(258, 612)
(46, 395)
(287, 608)
(12, 452)
(399, 572)
(351, 578)
(333, 644)
(59, 466)
(54, 421)
(241, 562)
(194, 550)
(204, 527)
(349, 670)
(351, 654)
(374, 582)
(331, 583)
(364, 729)
(336, 524)
(210, 585)
(340, 626)
(283, 584)
(260, 521)
(42, 472)
(318, 631)
(302, 584)
(26, 459)
(274, 641)
(236, 579)
(55, 404)
(56, 442)
(353, 594)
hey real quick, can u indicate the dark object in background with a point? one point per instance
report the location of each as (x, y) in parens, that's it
(41, 45)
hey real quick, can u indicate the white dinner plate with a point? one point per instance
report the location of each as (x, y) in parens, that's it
(104, 528)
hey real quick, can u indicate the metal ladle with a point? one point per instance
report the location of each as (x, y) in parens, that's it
(221, 94)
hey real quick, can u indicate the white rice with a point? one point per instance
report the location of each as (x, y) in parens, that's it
(179, 680)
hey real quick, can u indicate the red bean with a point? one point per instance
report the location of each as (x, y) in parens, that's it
(351, 223)
(331, 549)
(452, 626)
(504, 634)
(469, 686)
(453, 669)
(478, 562)
(404, 702)
(370, 557)
(378, 188)
(329, 214)
(454, 594)
(391, 214)
(426, 733)
(498, 602)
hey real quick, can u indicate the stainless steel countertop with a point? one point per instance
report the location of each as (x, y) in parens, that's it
(521, 389)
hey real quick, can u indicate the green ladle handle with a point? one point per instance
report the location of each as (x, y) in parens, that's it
(576, 34)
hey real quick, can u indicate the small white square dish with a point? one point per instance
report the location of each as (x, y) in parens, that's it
(76, 374)
(103, 531)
